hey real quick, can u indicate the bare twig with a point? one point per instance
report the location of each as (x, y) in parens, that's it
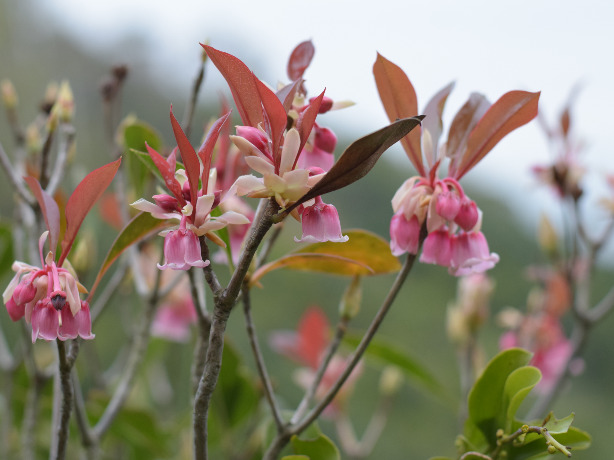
(66, 138)
(189, 111)
(64, 370)
(15, 180)
(260, 365)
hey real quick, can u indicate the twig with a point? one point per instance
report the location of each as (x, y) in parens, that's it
(67, 136)
(330, 351)
(189, 111)
(260, 365)
(204, 326)
(282, 438)
(66, 403)
(223, 303)
(15, 180)
(44, 167)
(111, 288)
(87, 439)
(137, 350)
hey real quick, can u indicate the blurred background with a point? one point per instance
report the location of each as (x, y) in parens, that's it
(483, 46)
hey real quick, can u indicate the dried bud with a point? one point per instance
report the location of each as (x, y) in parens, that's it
(352, 298)
(9, 95)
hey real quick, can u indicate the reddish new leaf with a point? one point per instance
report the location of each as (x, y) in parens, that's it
(359, 158)
(206, 149)
(81, 201)
(432, 123)
(300, 58)
(511, 111)
(287, 93)
(275, 118)
(189, 158)
(168, 174)
(463, 123)
(306, 120)
(50, 211)
(242, 85)
(399, 99)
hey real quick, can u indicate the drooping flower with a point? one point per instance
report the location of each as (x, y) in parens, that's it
(451, 219)
(47, 297)
(193, 198)
(320, 223)
(279, 138)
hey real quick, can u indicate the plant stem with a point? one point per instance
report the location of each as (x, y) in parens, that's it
(282, 438)
(260, 365)
(223, 303)
(61, 436)
(15, 179)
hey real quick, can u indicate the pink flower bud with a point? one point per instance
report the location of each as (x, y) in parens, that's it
(166, 202)
(24, 292)
(325, 139)
(448, 205)
(404, 234)
(256, 137)
(325, 106)
(15, 310)
(468, 215)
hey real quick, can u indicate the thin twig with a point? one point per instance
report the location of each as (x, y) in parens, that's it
(88, 441)
(135, 358)
(102, 299)
(333, 346)
(189, 111)
(45, 153)
(15, 180)
(282, 438)
(66, 138)
(66, 403)
(260, 365)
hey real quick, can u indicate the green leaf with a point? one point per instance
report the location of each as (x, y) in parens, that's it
(6, 248)
(535, 446)
(388, 353)
(556, 426)
(141, 226)
(518, 385)
(487, 410)
(320, 448)
(295, 457)
(144, 158)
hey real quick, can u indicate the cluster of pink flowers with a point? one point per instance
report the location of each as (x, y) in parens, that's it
(540, 330)
(281, 140)
(438, 207)
(48, 298)
(193, 197)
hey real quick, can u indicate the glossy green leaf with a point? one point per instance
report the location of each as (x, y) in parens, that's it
(134, 133)
(141, 226)
(390, 354)
(518, 385)
(556, 426)
(320, 448)
(487, 410)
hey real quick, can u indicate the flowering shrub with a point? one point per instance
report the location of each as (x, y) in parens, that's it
(238, 191)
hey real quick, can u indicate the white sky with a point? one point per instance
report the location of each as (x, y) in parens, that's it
(486, 46)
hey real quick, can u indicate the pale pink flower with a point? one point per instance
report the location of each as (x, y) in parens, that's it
(48, 298)
(174, 318)
(320, 223)
(182, 250)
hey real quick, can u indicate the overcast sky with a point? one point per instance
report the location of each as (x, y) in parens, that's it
(486, 46)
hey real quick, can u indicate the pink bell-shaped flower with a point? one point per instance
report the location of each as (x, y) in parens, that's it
(404, 234)
(182, 250)
(470, 254)
(321, 223)
(437, 248)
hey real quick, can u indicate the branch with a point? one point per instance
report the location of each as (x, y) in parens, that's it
(189, 111)
(261, 366)
(67, 136)
(61, 435)
(16, 181)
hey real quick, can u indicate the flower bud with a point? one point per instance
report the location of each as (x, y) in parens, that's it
(325, 106)
(404, 234)
(254, 136)
(547, 236)
(325, 139)
(448, 205)
(9, 95)
(65, 103)
(391, 380)
(352, 299)
(468, 214)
